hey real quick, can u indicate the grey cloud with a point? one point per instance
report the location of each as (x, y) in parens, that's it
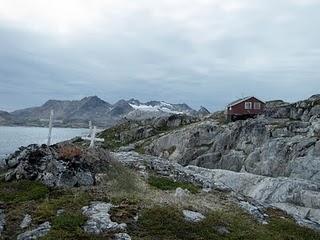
(271, 50)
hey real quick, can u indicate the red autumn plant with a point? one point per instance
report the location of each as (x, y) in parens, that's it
(69, 152)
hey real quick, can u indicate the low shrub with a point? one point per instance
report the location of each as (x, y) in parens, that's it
(69, 152)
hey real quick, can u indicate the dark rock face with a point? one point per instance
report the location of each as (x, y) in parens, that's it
(58, 165)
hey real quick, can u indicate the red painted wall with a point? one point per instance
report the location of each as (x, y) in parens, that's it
(239, 109)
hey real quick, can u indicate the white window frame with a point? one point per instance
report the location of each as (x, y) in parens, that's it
(257, 105)
(248, 105)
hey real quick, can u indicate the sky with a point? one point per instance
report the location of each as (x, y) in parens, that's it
(199, 52)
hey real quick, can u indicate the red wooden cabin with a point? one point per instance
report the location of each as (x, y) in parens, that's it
(244, 108)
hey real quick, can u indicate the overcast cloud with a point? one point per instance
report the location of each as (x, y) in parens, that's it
(202, 52)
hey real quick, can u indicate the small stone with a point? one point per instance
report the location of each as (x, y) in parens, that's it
(99, 220)
(37, 233)
(122, 236)
(192, 216)
(60, 212)
(26, 221)
(255, 211)
(222, 230)
(181, 194)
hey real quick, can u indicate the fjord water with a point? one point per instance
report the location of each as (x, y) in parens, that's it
(11, 138)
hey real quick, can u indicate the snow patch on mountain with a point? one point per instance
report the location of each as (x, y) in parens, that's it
(161, 107)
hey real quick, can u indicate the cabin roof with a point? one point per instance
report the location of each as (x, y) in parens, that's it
(242, 100)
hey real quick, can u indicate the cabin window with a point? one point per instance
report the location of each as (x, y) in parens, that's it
(248, 105)
(257, 105)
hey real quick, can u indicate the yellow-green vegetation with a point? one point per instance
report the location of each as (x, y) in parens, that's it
(164, 183)
(24, 190)
(168, 223)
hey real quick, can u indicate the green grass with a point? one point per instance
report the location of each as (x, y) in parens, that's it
(22, 191)
(71, 202)
(168, 184)
(69, 226)
(167, 223)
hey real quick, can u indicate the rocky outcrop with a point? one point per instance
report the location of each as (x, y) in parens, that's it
(58, 165)
(299, 198)
(41, 231)
(132, 131)
(263, 146)
(303, 110)
(99, 220)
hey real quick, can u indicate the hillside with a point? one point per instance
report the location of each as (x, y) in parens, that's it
(67, 191)
(5, 117)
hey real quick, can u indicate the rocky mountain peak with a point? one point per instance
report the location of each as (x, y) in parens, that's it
(134, 102)
(203, 111)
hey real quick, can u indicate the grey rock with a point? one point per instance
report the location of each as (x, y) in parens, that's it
(46, 165)
(182, 194)
(260, 146)
(254, 211)
(192, 216)
(26, 221)
(41, 231)
(122, 236)
(99, 218)
(60, 212)
(222, 230)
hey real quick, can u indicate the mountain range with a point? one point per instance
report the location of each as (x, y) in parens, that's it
(77, 113)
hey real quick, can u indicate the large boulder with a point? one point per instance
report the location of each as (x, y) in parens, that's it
(59, 165)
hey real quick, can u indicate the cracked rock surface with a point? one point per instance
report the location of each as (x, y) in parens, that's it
(99, 220)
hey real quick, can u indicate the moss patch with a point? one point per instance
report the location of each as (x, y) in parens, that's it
(168, 184)
(22, 191)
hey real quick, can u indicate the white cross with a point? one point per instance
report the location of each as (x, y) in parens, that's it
(90, 128)
(50, 128)
(92, 137)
